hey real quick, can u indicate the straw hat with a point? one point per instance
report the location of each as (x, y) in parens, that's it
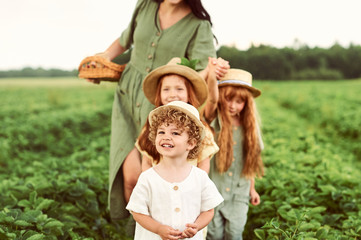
(150, 82)
(186, 108)
(241, 78)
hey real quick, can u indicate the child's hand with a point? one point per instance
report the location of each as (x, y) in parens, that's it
(190, 231)
(222, 67)
(167, 232)
(255, 198)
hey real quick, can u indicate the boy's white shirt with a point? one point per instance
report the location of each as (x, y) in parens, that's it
(173, 204)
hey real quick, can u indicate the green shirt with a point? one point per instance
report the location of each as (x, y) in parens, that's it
(153, 47)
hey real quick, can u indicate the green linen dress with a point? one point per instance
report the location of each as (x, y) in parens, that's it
(152, 47)
(230, 217)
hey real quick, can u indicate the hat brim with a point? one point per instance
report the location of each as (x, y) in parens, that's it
(188, 113)
(151, 81)
(255, 92)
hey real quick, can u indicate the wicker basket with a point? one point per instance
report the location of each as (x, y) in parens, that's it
(99, 68)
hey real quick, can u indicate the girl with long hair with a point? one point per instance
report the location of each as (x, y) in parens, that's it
(175, 82)
(235, 121)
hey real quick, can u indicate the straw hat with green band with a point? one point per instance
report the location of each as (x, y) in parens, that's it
(240, 78)
(175, 66)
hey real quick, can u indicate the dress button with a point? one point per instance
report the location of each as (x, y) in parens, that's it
(158, 34)
(153, 44)
(235, 128)
(233, 159)
(230, 174)
(234, 143)
(175, 188)
(147, 69)
(177, 209)
(228, 189)
(138, 104)
(150, 56)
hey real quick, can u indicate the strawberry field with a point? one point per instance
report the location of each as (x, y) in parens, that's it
(54, 144)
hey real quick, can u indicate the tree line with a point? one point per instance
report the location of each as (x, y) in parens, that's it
(37, 72)
(264, 62)
(302, 63)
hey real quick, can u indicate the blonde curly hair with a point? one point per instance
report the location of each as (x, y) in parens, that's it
(182, 121)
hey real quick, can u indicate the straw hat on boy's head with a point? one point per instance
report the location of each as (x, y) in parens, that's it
(151, 81)
(186, 108)
(240, 78)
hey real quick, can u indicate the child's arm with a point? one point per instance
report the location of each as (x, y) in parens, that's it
(201, 222)
(211, 79)
(255, 198)
(205, 165)
(164, 231)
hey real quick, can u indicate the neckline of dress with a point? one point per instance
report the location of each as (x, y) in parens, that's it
(170, 27)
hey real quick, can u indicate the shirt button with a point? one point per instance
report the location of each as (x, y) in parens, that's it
(228, 189)
(147, 69)
(230, 174)
(175, 188)
(150, 56)
(177, 209)
(153, 44)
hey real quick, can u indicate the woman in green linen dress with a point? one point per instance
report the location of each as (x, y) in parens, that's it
(158, 31)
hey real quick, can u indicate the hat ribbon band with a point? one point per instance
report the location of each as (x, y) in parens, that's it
(235, 81)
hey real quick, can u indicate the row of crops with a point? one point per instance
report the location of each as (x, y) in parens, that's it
(54, 143)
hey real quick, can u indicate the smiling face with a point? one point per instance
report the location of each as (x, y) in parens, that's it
(172, 142)
(173, 89)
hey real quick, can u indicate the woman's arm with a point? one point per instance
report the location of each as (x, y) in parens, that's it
(201, 222)
(164, 231)
(115, 49)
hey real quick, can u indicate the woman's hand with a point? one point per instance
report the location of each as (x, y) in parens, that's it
(222, 67)
(94, 65)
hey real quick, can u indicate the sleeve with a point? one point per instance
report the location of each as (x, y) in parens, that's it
(201, 46)
(126, 38)
(209, 147)
(211, 197)
(142, 152)
(139, 200)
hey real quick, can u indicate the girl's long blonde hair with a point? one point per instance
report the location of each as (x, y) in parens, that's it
(144, 143)
(252, 162)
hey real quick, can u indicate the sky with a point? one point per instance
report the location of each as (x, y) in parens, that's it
(60, 33)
